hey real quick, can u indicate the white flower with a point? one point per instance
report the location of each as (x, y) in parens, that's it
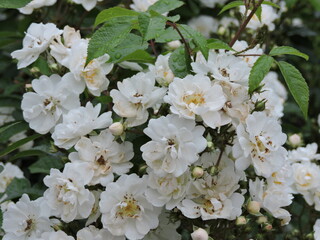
(305, 154)
(53, 97)
(271, 198)
(142, 5)
(214, 208)
(60, 235)
(93, 233)
(204, 24)
(175, 144)
(8, 173)
(212, 3)
(223, 67)
(239, 46)
(19, 136)
(316, 229)
(196, 95)
(268, 16)
(161, 70)
(87, 4)
(34, 4)
(135, 96)
(306, 176)
(167, 189)
(37, 39)
(25, 220)
(66, 195)
(125, 210)
(79, 122)
(104, 156)
(6, 115)
(61, 50)
(95, 211)
(94, 74)
(166, 229)
(200, 234)
(260, 143)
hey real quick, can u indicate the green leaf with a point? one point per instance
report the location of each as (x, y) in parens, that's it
(231, 5)
(17, 144)
(15, 129)
(107, 38)
(131, 44)
(13, 3)
(271, 4)
(179, 62)
(218, 44)
(43, 66)
(168, 35)
(259, 70)
(44, 164)
(139, 56)
(115, 12)
(151, 27)
(296, 84)
(163, 6)
(315, 4)
(8, 126)
(287, 50)
(198, 39)
(259, 12)
(27, 153)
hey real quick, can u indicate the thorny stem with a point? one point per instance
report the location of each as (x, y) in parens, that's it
(245, 23)
(175, 27)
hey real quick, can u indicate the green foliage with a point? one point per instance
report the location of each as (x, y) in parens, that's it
(179, 62)
(315, 4)
(27, 153)
(287, 50)
(8, 126)
(296, 84)
(45, 163)
(139, 56)
(13, 3)
(163, 6)
(231, 5)
(271, 4)
(115, 12)
(151, 26)
(259, 70)
(218, 44)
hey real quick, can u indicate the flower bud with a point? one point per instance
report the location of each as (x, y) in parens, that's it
(294, 140)
(197, 172)
(213, 171)
(268, 227)
(262, 219)
(174, 44)
(210, 145)
(116, 128)
(241, 221)
(200, 234)
(253, 207)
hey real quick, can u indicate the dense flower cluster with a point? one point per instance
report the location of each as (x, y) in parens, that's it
(180, 117)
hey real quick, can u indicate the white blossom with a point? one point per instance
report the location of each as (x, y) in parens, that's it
(175, 144)
(142, 5)
(306, 176)
(19, 136)
(135, 96)
(316, 229)
(37, 40)
(200, 234)
(93, 233)
(212, 3)
(305, 154)
(25, 220)
(87, 4)
(240, 46)
(204, 24)
(161, 70)
(193, 96)
(53, 97)
(125, 209)
(79, 122)
(6, 115)
(8, 173)
(59, 235)
(35, 4)
(67, 196)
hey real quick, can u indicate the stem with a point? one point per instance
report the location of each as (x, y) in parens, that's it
(219, 158)
(151, 43)
(249, 55)
(175, 27)
(245, 23)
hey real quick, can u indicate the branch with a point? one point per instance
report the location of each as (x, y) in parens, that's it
(151, 43)
(175, 27)
(245, 23)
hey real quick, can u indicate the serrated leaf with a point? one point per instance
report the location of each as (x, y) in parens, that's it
(107, 38)
(17, 144)
(151, 27)
(179, 62)
(231, 5)
(13, 3)
(296, 84)
(198, 39)
(139, 56)
(218, 44)
(259, 70)
(129, 45)
(168, 35)
(289, 51)
(115, 12)
(44, 164)
(163, 6)
(271, 4)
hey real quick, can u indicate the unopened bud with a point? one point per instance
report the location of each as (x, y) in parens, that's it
(268, 227)
(295, 140)
(116, 128)
(210, 145)
(174, 44)
(213, 171)
(200, 234)
(197, 172)
(35, 70)
(262, 219)
(241, 221)
(253, 207)
(260, 106)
